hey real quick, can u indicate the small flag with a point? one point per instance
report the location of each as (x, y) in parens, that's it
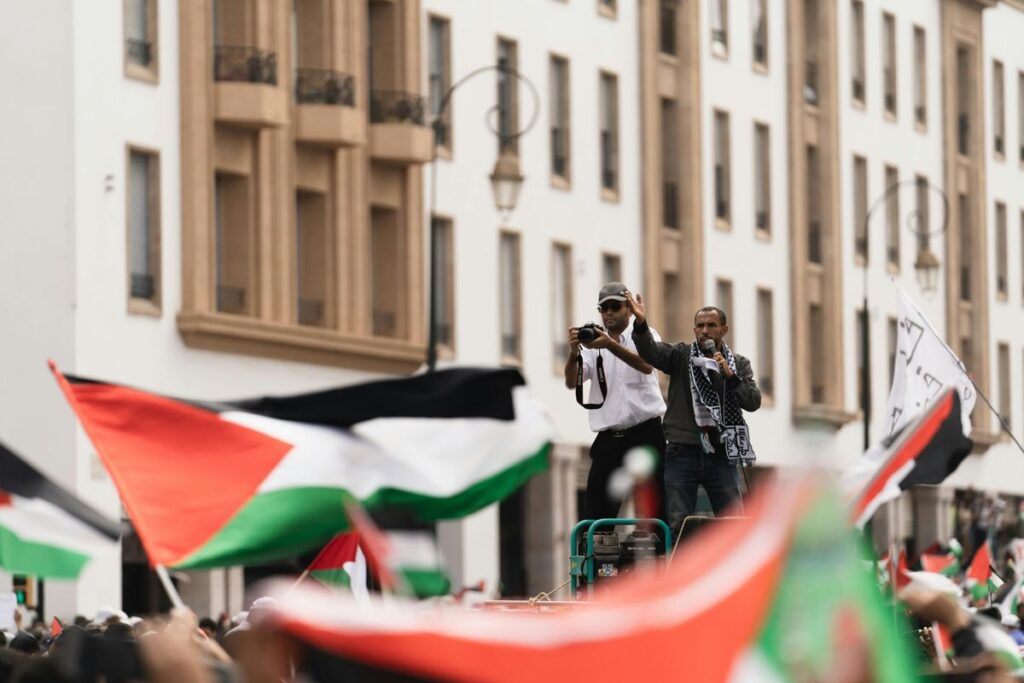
(940, 564)
(979, 572)
(45, 530)
(336, 562)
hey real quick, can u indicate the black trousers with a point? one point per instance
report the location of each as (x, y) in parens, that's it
(606, 455)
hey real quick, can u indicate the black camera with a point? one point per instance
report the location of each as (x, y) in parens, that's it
(588, 333)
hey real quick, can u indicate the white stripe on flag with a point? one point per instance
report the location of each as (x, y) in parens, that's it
(39, 521)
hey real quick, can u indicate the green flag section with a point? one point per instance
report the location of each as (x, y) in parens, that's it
(44, 530)
(264, 479)
(334, 564)
(779, 596)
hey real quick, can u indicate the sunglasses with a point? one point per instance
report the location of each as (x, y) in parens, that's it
(612, 306)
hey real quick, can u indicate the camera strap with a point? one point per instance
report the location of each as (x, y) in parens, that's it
(601, 383)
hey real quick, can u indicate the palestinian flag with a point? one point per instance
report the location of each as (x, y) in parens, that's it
(723, 611)
(244, 482)
(926, 451)
(45, 530)
(946, 565)
(339, 560)
(979, 573)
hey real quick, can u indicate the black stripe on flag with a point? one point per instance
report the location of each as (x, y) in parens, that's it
(21, 479)
(451, 393)
(943, 453)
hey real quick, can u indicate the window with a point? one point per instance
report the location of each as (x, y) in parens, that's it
(889, 62)
(892, 216)
(816, 358)
(998, 111)
(508, 97)
(920, 78)
(893, 331)
(766, 345)
(760, 37)
(964, 221)
(669, 164)
(720, 28)
(860, 209)
(511, 301)
(611, 268)
(1001, 248)
(234, 244)
(723, 299)
(812, 48)
(667, 23)
(923, 222)
(674, 327)
(762, 179)
(609, 141)
(440, 76)
(140, 34)
(561, 303)
(857, 58)
(1022, 251)
(560, 136)
(1005, 407)
(813, 179)
(1020, 115)
(143, 231)
(445, 292)
(385, 293)
(722, 171)
(963, 99)
(311, 249)
(607, 8)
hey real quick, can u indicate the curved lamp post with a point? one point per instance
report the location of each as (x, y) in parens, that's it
(926, 267)
(506, 177)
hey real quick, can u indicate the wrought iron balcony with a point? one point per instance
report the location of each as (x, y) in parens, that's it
(323, 86)
(244, 64)
(143, 286)
(138, 51)
(395, 106)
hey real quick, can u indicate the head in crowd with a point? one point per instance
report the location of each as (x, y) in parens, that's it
(611, 303)
(710, 322)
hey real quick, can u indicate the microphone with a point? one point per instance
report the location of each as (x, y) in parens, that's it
(708, 347)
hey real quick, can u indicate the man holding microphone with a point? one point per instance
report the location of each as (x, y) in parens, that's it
(629, 414)
(709, 388)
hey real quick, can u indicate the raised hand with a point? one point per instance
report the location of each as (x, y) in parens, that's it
(636, 304)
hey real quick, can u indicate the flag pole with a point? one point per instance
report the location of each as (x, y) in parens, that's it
(172, 592)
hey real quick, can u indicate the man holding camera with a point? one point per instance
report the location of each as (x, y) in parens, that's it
(709, 388)
(631, 408)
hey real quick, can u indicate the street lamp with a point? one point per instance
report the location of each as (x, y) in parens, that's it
(926, 268)
(506, 179)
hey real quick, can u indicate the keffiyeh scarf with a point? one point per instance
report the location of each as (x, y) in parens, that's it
(713, 414)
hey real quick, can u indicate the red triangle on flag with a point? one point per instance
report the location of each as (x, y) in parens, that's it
(981, 565)
(56, 629)
(335, 554)
(936, 563)
(158, 450)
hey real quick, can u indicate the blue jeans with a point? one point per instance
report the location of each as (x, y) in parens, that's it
(686, 467)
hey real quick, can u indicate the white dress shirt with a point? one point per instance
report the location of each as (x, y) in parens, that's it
(633, 397)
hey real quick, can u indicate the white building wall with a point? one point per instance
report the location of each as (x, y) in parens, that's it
(577, 216)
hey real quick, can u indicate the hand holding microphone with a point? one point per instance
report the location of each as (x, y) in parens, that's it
(709, 349)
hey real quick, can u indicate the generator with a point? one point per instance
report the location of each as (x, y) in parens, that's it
(601, 554)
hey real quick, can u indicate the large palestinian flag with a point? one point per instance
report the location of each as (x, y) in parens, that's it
(926, 451)
(245, 482)
(44, 530)
(780, 596)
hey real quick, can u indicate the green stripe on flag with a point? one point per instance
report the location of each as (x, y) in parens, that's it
(332, 577)
(426, 582)
(18, 556)
(287, 522)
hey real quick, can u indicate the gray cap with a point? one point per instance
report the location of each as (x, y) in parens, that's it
(613, 291)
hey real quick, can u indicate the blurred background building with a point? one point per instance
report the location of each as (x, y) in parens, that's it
(226, 198)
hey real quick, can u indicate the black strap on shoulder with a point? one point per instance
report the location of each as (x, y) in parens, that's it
(601, 383)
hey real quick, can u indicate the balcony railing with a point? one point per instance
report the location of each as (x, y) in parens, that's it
(559, 156)
(964, 134)
(244, 64)
(138, 51)
(814, 241)
(395, 106)
(230, 299)
(323, 86)
(670, 204)
(311, 312)
(143, 286)
(811, 82)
